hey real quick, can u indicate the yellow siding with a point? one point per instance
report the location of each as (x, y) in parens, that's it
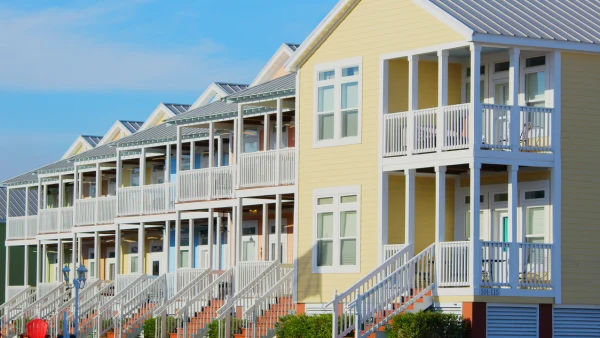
(373, 28)
(581, 182)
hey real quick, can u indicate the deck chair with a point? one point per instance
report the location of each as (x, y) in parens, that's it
(37, 328)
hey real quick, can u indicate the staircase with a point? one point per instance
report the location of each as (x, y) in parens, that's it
(398, 285)
(134, 312)
(43, 307)
(15, 305)
(88, 309)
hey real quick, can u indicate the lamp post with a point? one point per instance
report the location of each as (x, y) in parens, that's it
(78, 283)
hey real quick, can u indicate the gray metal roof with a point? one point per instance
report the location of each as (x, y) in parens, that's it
(293, 46)
(132, 126)
(93, 140)
(285, 85)
(30, 177)
(177, 108)
(231, 88)
(108, 150)
(215, 110)
(160, 134)
(2, 203)
(60, 166)
(573, 20)
(17, 202)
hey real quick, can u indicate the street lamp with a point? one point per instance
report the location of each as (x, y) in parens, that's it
(78, 283)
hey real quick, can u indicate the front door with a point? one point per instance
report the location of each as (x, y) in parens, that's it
(499, 127)
(273, 241)
(155, 257)
(111, 264)
(497, 257)
(249, 241)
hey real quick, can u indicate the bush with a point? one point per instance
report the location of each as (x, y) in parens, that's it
(427, 325)
(235, 326)
(149, 327)
(300, 326)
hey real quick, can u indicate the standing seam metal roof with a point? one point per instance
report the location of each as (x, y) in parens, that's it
(284, 83)
(132, 126)
(231, 88)
(93, 140)
(177, 108)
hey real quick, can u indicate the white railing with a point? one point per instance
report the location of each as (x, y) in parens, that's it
(138, 309)
(44, 307)
(56, 220)
(246, 272)
(155, 198)
(45, 288)
(21, 227)
(495, 126)
(495, 259)
(403, 287)
(395, 126)
(66, 219)
(18, 298)
(536, 129)
(456, 126)
(453, 260)
(275, 303)
(206, 184)
(343, 312)
(185, 276)
(425, 122)
(85, 211)
(88, 308)
(123, 281)
(130, 201)
(390, 250)
(68, 307)
(259, 169)
(107, 210)
(535, 266)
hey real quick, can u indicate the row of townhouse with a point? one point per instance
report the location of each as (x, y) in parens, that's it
(343, 182)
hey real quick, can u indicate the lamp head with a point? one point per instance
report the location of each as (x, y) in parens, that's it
(66, 272)
(81, 272)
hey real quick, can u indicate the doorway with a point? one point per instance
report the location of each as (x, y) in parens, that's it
(155, 257)
(111, 264)
(249, 241)
(273, 241)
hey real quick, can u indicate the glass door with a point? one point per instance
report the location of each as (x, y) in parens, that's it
(249, 239)
(498, 129)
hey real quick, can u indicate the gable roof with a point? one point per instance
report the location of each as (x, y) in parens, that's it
(132, 126)
(89, 142)
(164, 111)
(569, 25)
(127, 127)
(217, 90)
(177, 108)
(275, 63)
(283, 86)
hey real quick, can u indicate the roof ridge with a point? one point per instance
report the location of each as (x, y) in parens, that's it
(91, 136)
(130, 121)
(176, 104)
(231, 83)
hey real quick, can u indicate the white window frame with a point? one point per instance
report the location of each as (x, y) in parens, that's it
(337, 82)
(133, 255)
(92, 253)
(535, 203)
(336, 208)
(529, 70)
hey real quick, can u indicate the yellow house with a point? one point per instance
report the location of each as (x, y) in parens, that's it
(391, 151)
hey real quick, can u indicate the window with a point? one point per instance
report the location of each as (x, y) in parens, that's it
(338, 100)
(251, 140)
(501, 197)
(535, 81)
(534, 195)
(501, 67)
(337, 229)
(535, 224)
(483, 226)
(184, 255)
(135, 177)
(468, 199)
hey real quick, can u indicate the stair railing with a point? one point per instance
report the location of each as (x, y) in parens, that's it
(164, 314)
(262, 316)
(395, 293)
(14, 305)
(37, 309)
(343, 313)
(88, 309)
(136, 310)
(68, 306)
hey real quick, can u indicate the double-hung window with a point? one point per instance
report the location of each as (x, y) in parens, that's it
(338, 103)
(535, 84)
(337, 230)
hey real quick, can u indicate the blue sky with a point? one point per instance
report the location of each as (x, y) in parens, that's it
(74, 67)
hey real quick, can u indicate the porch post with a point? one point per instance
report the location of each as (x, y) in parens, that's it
(211, 238)
(7, 274)
(74, 257)
(475, 122)
(96, 254)
(278, 228)
(26, 268)
(219, 245)
(513, 99)
(556, 180)
(177, 240)
(192, 251)
(142, 179)
(167, 245)
(177, 171)
(413, 101)
(240, 141)
(265, 231)
(142, 247)
(409, 209)
(118, 184)
(76, 191)
(219, 151)
(513, 202)
(117, 251)
(238, 231)
(440, 204)
(168, 178)
(192, 155)
(98, 192)
(278, 142)
(38, 262)
(60, 259)
(475, 247)
(266, 132)
(442, 97)
(39, 206)
(44, 259)
(60, 201)
(211, 158)
(231, 238)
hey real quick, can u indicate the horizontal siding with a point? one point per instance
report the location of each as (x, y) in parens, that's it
(372, 28)
(581, 182)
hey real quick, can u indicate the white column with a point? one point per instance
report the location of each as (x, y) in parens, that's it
(38, 262)
(278, 141)
(97, 253)
(45, 202)
(475, 122)
(233, 148)
(26, 268)
(76, 191)
(118, 184)
(79, 251)
(7, 274)
(61, 259)
(98, 191)
(278, 228)
(74, 257)
(513, 99)
(238, 231)
(211, 157)
(117, 250)
(442, 96)
(167, 245)
(142, 179)
(475, 245)
(219, 245)
(178, 241)
(266, 133)
(220, 151)
(231, 237)
(513, 203)
(142, 247)
(556, 178)
(192, 155)
(178, 169)
(440, 204)
(211, 238)
(240, 141)
(168, 177)
(265, 231)
(60, 191)
(409, 209)
(413, 100)
(192, 251)
(39, 207)
(44, 254)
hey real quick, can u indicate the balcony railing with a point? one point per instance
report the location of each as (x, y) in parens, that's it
(206, 184)
(260, 169)
(416, 132)
(157, 199)
(24, 227)
(95, 211)
(56, 220)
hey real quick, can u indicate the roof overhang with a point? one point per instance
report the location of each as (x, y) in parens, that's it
(219, 117)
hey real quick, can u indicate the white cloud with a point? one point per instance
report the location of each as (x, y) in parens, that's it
(50, 50)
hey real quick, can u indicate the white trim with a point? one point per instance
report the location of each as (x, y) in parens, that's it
(529, 43)
(383, 177)
(273, 65)
(296, 190)
(336, 193)
(116, 128)
(337, 83)
(79, 142)
(210, 92)
(556, 178)
(153, 119)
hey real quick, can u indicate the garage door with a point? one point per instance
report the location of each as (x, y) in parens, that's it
(512, 321)
(576, 322)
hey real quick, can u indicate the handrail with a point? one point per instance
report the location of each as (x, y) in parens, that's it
(271, 291)
(88, 309)
(41, 308)
(181, 293)
(21, 300)
(141, 305)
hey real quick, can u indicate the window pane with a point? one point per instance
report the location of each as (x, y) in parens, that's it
(325, 201)
(348, 252)
(350, 123)
(324, 253)
(352, 71)
(325, 99)
(536, 221)
(503, 197)
(326, 126)
(349, 199)
(183, 258)
(532, 195)
(501, 67)
(536, 61)
(134, 264)
(483, 227)
(535, 86)
(248, 231)
(326, 75)
(325, 225)
(348, 224)
(350, 95)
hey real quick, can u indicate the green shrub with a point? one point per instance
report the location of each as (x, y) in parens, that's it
(427, 325)
(300, 326)
(235, 326)
(149, 327)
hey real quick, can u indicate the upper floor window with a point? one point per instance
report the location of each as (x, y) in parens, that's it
(535, 81)
(338, 102)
